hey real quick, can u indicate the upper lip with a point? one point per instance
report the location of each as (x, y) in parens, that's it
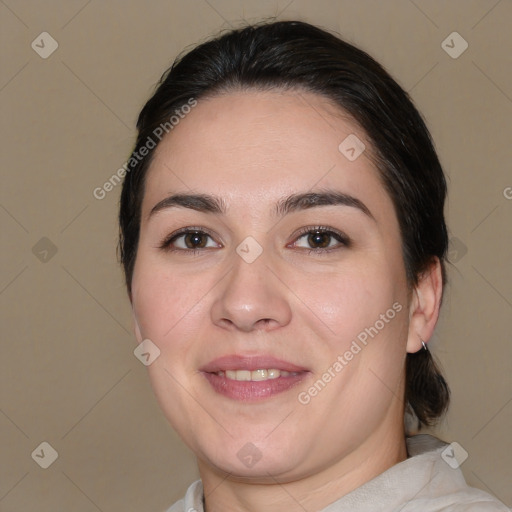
(239, 362)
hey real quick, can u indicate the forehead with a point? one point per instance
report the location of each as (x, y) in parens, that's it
(254, 147)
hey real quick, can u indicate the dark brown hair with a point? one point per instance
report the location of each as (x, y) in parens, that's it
(297, 55)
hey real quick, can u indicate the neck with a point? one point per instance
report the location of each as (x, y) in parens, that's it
(224, 493)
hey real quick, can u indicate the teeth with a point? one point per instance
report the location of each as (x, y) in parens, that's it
(255, 375)
(259, 375)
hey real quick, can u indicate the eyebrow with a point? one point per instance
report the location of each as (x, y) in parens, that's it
(206, 203)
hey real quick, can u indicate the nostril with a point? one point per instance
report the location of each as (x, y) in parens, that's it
(263, 322)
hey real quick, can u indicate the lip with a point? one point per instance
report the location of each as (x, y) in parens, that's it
(251, 391)
(239, 362)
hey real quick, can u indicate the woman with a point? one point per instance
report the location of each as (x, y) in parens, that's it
(283, 239)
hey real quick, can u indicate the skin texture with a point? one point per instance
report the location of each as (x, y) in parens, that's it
(253, 149)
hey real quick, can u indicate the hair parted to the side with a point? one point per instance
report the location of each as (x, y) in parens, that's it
(299, 56)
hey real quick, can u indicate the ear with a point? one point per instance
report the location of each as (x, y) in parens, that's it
(425, 304)
(136, 327)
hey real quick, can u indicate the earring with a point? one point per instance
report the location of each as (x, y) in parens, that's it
(424, 345)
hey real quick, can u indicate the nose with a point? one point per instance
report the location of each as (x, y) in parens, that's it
(251, 298)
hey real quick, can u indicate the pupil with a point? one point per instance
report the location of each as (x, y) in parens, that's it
(194, 240)
(319, 239)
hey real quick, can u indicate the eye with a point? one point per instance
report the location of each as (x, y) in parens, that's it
(321, 239)
(188, 239)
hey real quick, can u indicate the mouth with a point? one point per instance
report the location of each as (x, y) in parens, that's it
(255, 375)
(252, 378)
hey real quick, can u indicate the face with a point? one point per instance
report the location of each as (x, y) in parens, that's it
(270, 276)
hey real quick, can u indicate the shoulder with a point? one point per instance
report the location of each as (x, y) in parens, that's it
(179, 506)
(193, 500)
(467, 502)
(445, 488)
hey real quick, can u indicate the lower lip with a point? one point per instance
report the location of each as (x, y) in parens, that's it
(247, 391)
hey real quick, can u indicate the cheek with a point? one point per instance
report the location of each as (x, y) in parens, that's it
(168, 308)
(154, 303)
(348, 301)
(165, 301)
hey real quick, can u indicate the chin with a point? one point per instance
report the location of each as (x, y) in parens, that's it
(258, 462)
(262, 472)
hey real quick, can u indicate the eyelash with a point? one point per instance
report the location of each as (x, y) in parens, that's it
(167, 241)
(343, 239)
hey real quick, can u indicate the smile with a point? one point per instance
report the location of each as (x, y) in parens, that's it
(252, 378)
(255, 375)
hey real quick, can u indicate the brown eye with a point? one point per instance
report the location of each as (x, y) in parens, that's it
(195, 240)
(319, 240)
(189, 240)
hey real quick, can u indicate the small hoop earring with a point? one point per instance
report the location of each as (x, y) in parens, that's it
(424, 345)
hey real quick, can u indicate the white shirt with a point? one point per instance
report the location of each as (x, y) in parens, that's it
(424, 482)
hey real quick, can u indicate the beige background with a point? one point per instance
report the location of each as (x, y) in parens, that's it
(68, 373)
